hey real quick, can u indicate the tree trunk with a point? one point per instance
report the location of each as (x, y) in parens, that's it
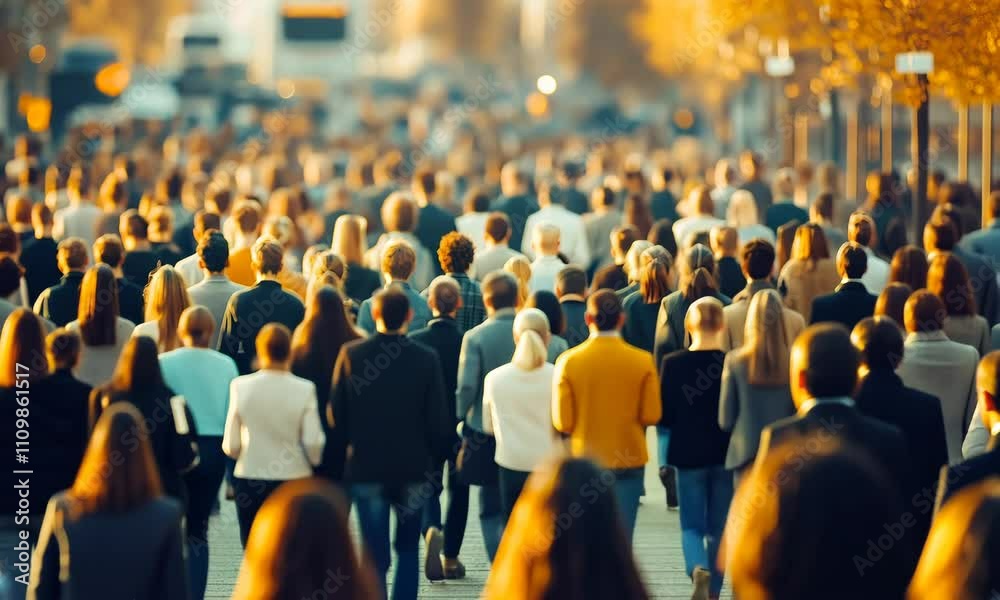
(920, 139)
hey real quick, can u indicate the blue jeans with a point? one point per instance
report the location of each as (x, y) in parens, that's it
(456, 514)
(662, 444)
(704, 496)
(373, 502)
(490, 518)
(628, 488)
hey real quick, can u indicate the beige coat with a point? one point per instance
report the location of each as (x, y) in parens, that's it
(802, 283)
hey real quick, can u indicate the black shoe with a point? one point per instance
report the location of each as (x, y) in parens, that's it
(453, 569)
(668, 477)
(433, 569)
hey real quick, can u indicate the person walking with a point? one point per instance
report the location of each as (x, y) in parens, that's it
(102, 331)
(59, 303)
(215, 289)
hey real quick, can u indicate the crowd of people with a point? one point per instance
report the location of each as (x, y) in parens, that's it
(307, 337)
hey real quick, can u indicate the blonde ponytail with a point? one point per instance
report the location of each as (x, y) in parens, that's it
(531, 330)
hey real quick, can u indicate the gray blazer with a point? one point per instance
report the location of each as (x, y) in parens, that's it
(947, 369)
(485, 347)
(214, 293)
(491, 259)
(972, 330)
(746, 409)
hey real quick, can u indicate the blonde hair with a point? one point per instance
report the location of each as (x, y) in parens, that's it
(742, 210)
(349, 238)
(166, 299)
(531, 334)
(520, 268)
(766, 341)
(705, 314)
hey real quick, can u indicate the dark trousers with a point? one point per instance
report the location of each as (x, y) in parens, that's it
(250, 496)
(456, 514)
(511, 484)
(203, 491)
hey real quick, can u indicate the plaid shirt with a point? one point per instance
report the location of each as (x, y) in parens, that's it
(473, 311)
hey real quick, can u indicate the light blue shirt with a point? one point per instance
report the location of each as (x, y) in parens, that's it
(421, 311)
(202, 376)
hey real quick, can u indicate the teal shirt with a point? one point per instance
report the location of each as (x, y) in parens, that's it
(202, 376)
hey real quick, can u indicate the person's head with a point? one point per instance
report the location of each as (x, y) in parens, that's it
(784, 184)
(42, 220)
(500, 291)
(444, 296)
(766, 340)
(725, 173)
(604, 311)
(697, 273)
(637, 214)
(349, 239)
(520, 268)
(751, 165)
(10, 242)
(571, 280)
(852, 260)
(247, 215)
(118, 472)
(622, 239)
(213, 252)
(822, 207)
(654, 280)
(109, 250)
(71, 255)
(545, 239)
(325, 328)
(924, 312)
(823, 363)
(909, 266)
(166, 298)
(62, 347)
(10, 275)
(947, 277)
(398, 261)
(757, 259)
(810, 243)
(280, 229)
(204, 221)
(603, 198)
(498, 230)
(879, 342)
(961, 558)
(742, 209)
(400, 213)
(725, 241)
(861, 229)
(98, 309)
(22, 344)
(267, 257)
(513, 179)
(301, 542)
(892, 302)
(700, 200)
(391, 311)
(785, 242)
(547, 302)
(133, 227)
(532, 332)
(274, 347)
(196, 327)
(328, 266)
(705, 322)
(662, 234)
(800, 517)
(476, 201)
(113, 194)
(161, 224)
(218, 200)
(633, 262)
(19, 211)
(541, 557)
(940, 235)
(455, 253)
(138, 368)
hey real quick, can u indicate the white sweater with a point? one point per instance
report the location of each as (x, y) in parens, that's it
(517, 410)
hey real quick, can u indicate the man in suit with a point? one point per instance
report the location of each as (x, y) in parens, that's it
(189, 267)
(571, 289)
(882, 395)
(986, 241)
(38, 256)
(399, 259)
(757, 262)
(599, 224)
(605, 394)
(108, 249)
(861, 230)
(613, 276)
(572, 233)
(497, 251)
(397, 427)
(752, 169)
(850, 302)
(434, 222)
(983, 466)
(941, 234)
(570, 196)
(249, 310)
(215, 289)
(443, 334)
(515, 201)
(938, 366)
(59, 303)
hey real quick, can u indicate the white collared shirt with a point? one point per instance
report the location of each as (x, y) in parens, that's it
(572, 233)
(543, 273)
(811, 403)
(876, 276)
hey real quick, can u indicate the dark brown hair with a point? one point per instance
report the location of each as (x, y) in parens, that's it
(98, 310)
(909, 266)
(892, 301)
(22, 350)
(948, 278)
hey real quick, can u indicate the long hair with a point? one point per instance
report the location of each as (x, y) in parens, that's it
(810, 245)
(785, 242)
(118, 472)
(766, 347)
(300, 543)
(909, 266)
(328, 263)
(138, 368)
(547, 302)
(892, 301)
(318, 339)
(697, 273)
(531, 334)
(654, 280)
(520, 268)
(637, 214)
(949, 281)
(22, 350)
(541, 558)
(98, 310)
(961, 558)
(166, 299)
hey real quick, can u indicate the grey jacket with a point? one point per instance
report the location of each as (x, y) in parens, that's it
(214, 293)
(746, 409)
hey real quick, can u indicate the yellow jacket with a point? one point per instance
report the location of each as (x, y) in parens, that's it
(240, 270)
(606, 393)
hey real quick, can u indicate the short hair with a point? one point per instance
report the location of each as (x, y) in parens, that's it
(443, 294)
(831, 360)
(606, 195)
(161, 220)
(704, 314)
(399, 260)
(19, 209)
(476, 200)
(108, 249)
(9, 240)
(197, 324)
(861, 229)
(267, 256)
(879, 342)
(623, 237)
(497, 226)
(500, 290)
(72, 252)
(10, 275)
(924, 312)
(823, 205)
(393, 305)
(41, 215)
(455, 253)
(274, 343)
(425, 180)
(133, 225)
(571, 280)
(757, 259)
(546, 236)
(399, 212)
(63, 348)
(605, 308)
(940, 233)
(213, 249)
(247, 216)
(725, 239)
(218, 197)
(891, 302)
(852, 260)
(205, 220)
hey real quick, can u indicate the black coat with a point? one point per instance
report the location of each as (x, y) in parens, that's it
(60, 302)
(41, 270)
(610, 277)
(130, 301)
(434, 223)
(731, 278)
(969, 472)
(388, 403)
(361, 282)
(138, 264)
(518, 209)
(690, 383)
(574, 200)
(663, 205)
(247, 313)
(576, 331)
(444, 336)
(848, 305)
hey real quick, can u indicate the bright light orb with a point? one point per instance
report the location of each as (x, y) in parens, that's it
(547, 84)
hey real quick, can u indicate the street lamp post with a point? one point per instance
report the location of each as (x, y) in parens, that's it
(919, 64)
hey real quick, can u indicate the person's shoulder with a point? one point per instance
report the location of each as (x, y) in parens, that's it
(165, 508)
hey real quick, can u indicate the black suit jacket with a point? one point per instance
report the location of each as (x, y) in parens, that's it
(850, 303)
(247, 313)
(731, 278)
(576, 331)
(443, 335)
(518, 209)
(574, 200)
(434, 223)
(41, 270)
(60, 302)
(969, 472)
(130, 302)
(388, 404)
(59, 409)
(612, 277)
(138, 264)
